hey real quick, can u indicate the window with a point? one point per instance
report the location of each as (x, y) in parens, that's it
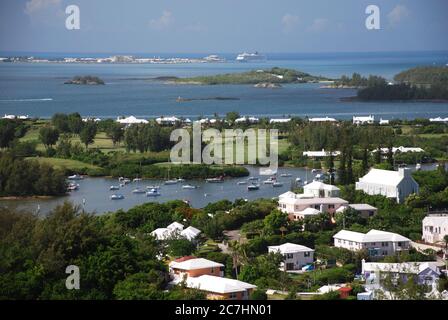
(400, 244)
(331, 206)
(232, 295)
(350, 243)
(306, 254)
(212, 270)
(384, 244)
(289, 256)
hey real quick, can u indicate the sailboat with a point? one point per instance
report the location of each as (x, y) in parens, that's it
(170, 182)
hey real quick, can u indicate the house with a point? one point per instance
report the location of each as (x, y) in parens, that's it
(295, 256)
(195, 267)
(321, 190)
(383, 122)
(218, 288)
(326, 119)
(320, 154)
(295, 206)
(247, 119)
(391, 184)
(176, 230)
(272, 121)
(364, 209)
(131, 120)
(167, 120)
(426, 273)
(439, 119)
(435, 228)
(377, 243)
(363, 120)
(400, 150)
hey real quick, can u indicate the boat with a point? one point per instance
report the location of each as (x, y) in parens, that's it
(73, 186)
(152, 187)
(122, 185)
(116, 197)
(253, 187)
(315, 170)
(214, 58)
(114, 188)
(126, 180)
(241, 183)
(138, 190)
(171, 182)
(180, 180)
(75, 177)
(253, 179)
(286, 175)
(298, 180)
(189, 186)
(215, 180)
(250, 57)
(418, 166)
(277, 184)
(137, 179)
(269, 181)
(153, 193)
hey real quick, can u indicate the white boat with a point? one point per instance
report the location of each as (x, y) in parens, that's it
(250, 57)
(189, 186)
(298, 179)
(253, 178)
(418, 167)
(180, 180)
(75, 177)
(152, 187)
(153, 193)
(214, 58)
(138, 191)
(240, 183)
(269, 181)
(253, 187)
(116, 197)
(73, 186)
(286, 175)
(315, 170)
(126, 180)
(170, 182)
(215, 180)
(137, 179)
(277, 184)
(114, 188)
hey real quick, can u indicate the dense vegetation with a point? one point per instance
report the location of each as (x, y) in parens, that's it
(274, 75)
(424, 76)
(85, 80)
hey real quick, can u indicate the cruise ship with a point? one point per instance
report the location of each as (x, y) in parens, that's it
(214, 58)
(249, 57)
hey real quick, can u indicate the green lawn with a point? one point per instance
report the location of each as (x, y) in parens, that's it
(65, 163)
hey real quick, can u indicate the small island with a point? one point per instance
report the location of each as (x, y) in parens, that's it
(266, 78)
(182, 99)
(85, 80)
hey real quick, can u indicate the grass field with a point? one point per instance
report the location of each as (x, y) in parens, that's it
(65, 163)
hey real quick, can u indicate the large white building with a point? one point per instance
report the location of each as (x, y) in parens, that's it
(377, 243)
(295, 256)
(131, 120)
(320, 154)
(326, 119)
(435, 228)
(321, 190)
(391, 184)
(363, 120)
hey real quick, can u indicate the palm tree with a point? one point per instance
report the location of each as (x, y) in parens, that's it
(239, 255)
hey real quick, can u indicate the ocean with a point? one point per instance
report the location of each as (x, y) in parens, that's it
(37, 89)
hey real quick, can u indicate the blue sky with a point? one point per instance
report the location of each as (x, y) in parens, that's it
(208, 26)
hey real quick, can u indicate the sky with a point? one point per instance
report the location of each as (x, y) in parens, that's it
(222, 26)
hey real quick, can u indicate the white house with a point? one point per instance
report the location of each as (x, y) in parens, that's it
(320, 154)
(383, 122)
(295, 206)
(167, 120)
(247, 119)
(364, 209)
(279, 120)
(400, 150)
(176, 230)
(391, 184)
(219, 288)
(439, 119)
(131, 120)
(321, 190)
(363, 120)
(435, 228)
(295, 256)
(326, 119)
(377, 243)
(426, 273)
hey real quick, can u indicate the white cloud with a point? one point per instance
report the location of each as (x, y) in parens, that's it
(318, 25)
(33, 6)
(397, 14)
(163, 21)
(289, 21)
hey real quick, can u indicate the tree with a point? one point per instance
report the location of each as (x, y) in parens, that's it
(232, 116)
(48, 136)
(180, 247)
(115, 132)
(87, 134)
(7, 133)
(275, 221)
(365, 161)
(75, 123)
(259, 295)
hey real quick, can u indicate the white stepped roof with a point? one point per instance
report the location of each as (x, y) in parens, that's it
(436, 220)
(162, 233)
(194, 264)
(176, 226)
(190, 233)
(309, 212)
(382, 177)
(371, 236)
(406, 267)
(362, 206)
(218, 284)
(316, 185)
(289, 248)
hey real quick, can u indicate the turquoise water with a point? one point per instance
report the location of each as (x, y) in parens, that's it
(38, 90)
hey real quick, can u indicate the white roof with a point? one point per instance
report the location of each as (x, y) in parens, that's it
(176, 226)
(162, 233)
(316, 185)
(194, 264)
(406, 267)
(131, 120)
(382, 177)
(362, 206)
(309, 212)
(401, 149)
(167, 119)
(322, 153)
(218, 284)
(438, 119)
(369, 118)
(437, 220)
(371, 236)
(289, 248)
(288, 194)
(313, 201)
(190, 233)
(279, 120)
(322, 119)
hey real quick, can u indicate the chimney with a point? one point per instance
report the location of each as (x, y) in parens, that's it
(404, 172)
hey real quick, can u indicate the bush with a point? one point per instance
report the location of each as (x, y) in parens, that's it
(259, 295)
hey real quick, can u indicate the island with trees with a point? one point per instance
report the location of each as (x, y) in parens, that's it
(85, 80)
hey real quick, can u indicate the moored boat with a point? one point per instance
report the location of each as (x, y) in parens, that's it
(153, 193)
(189, 186)
(253, 187)
(75, 177)
(116, 197)
(114, 188)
